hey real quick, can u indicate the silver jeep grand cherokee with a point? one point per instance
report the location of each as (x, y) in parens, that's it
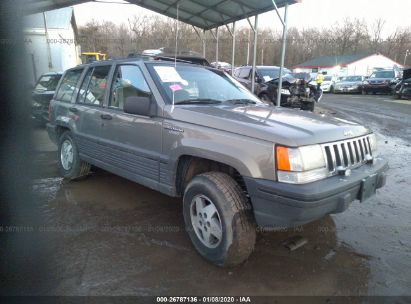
(194, 132)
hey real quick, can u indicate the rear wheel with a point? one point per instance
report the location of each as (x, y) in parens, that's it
(70, 165)
(219, 219)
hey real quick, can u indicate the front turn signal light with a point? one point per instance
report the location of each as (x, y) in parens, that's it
(283, 161)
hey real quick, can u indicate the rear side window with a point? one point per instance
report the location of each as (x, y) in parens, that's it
(128, 81)
(68, 85)
(94, 86)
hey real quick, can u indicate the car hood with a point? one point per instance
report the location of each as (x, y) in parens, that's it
(280, 125)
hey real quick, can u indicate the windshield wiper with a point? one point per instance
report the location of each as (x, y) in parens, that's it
(198, 101)
(242, 101)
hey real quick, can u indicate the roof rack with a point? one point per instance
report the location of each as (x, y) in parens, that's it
(156, 57)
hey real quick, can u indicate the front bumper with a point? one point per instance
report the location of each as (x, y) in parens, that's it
(326, 88)
(380, 88)
(356, 89)
(39, 115)
(281, 205)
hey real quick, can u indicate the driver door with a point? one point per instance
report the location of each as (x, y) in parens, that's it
(133, 142)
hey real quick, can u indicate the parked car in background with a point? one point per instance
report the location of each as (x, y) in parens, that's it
(381, 81)
(42, 94)
(263, 74)
(225, 66)
(328, 84)
(235, 162)
(403, 88)
(349, 84)
(297, 91)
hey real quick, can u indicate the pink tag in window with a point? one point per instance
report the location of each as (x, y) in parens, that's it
(175, 87)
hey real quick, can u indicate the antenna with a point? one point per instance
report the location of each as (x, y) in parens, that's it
(176, 49)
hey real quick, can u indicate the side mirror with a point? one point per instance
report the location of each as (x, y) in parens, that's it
(258, 79)
(139, 105)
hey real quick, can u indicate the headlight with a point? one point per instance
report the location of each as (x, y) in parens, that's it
(285, 92)
(366, 82)
(373, 144)
(300, 165)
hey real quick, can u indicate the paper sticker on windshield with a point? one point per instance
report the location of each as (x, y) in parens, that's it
(175, 87)
(267, 78)
(168, 74)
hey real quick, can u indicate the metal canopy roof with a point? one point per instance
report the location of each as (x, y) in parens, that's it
(38, 6)
(211, 13)
(203, 14)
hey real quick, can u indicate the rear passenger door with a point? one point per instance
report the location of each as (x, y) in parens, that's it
(90, 100)
(132, 143)
(64, 99)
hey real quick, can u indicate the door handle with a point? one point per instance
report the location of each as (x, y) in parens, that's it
(72, 109)
(106, 116)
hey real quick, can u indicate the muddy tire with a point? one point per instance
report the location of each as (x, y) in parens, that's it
(219, 219)
(70, 165)
(264, 98)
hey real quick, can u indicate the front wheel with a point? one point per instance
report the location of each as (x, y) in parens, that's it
(397, 96)
(308, 107)
(218, 219)
(70, 165)
(364, 92)
(264, 98)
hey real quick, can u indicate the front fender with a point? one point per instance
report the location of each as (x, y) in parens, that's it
(249, 156)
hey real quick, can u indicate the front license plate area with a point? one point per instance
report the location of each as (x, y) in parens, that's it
(368, 187)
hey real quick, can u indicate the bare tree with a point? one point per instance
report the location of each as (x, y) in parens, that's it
(142, 32)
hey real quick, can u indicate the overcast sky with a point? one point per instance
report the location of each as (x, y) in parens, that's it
(309, 13)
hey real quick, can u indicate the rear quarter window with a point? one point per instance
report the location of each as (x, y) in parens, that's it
(68, 85)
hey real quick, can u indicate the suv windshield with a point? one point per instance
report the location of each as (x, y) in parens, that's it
(383, 74)
(47, 83)
(191, 84)
(271, 73)
(327, 78)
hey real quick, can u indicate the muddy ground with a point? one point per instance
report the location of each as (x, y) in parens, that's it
(108, 236)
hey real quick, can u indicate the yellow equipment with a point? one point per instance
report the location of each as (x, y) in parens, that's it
(87, 57)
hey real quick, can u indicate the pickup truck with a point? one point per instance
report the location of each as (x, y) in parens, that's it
(194, 132)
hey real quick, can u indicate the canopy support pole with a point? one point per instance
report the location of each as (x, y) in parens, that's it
(232, 33)
(204, 43)
(202, 38)
(216, 44)
(283, 44)
(254, 28)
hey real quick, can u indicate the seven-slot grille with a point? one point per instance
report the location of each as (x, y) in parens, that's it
(349, 153)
